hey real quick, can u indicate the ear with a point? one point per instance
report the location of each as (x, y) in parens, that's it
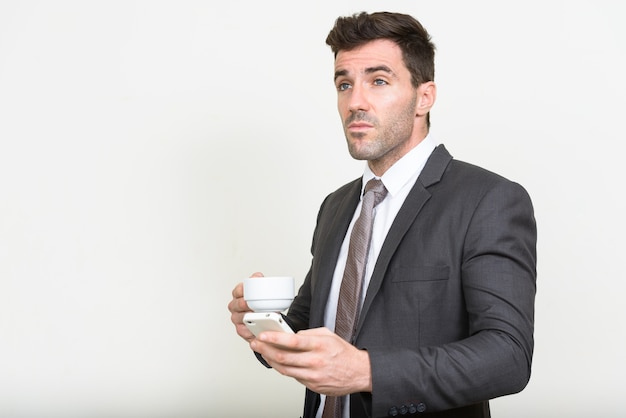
(426, 96)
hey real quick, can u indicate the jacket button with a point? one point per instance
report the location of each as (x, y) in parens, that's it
(393, 411)
(421, 407)
(404, 410)
(412, 408)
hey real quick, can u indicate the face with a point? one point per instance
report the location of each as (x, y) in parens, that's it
(383, 115)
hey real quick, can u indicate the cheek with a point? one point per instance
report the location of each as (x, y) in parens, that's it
(344, 113)
(342, 105)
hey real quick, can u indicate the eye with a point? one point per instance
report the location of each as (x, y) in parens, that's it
(379, 82)
(343, 86)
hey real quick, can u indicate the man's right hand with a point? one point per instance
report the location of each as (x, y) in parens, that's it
(238, 308)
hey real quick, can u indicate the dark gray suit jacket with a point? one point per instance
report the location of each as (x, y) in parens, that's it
(449, 312)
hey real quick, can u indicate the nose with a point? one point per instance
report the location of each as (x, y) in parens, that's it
(357, 99)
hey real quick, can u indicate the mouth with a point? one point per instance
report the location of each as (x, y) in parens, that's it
(359, 126)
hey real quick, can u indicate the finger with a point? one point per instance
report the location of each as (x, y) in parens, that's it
(238, 305)
(278, 338)
(242, 305)
(322, 331)
(299, 365)
(236, 317)
(278, 357)
(238, 291)
(244, 332)
(257, 274)
(234, 306)
(290, 342)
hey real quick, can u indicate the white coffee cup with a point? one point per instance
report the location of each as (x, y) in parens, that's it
(268, 294)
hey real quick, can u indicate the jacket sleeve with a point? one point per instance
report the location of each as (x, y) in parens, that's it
(299, 313)
(498, 279)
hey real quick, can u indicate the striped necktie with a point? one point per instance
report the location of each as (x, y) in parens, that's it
(351, 289)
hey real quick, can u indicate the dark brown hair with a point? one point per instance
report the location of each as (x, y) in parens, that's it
(414, 41)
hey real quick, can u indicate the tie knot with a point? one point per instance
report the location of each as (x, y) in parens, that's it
(378, 188)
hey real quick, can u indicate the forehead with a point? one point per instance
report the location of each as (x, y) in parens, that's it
(372, 54)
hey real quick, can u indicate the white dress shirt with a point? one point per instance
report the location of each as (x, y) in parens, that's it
(398, 180)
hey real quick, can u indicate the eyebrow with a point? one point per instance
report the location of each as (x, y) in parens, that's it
(368, 70)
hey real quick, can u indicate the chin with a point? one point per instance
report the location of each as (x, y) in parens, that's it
(361, 155)
(359, 149)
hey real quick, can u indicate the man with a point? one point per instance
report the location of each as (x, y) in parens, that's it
(445, 311)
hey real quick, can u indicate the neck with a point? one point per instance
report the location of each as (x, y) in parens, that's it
(380, 165)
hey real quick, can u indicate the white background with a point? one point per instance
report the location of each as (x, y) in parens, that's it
(152, 154)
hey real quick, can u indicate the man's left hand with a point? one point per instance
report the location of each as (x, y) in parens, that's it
(317, 358)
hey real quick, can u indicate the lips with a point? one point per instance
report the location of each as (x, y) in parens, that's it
(359, 126)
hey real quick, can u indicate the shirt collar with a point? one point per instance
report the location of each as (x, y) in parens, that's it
(405, 169)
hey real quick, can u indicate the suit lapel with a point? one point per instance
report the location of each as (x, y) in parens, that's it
(431, 173)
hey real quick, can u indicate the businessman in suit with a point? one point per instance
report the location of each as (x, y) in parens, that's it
(446, 312)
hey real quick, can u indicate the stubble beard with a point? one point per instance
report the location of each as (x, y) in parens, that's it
(386, 139)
